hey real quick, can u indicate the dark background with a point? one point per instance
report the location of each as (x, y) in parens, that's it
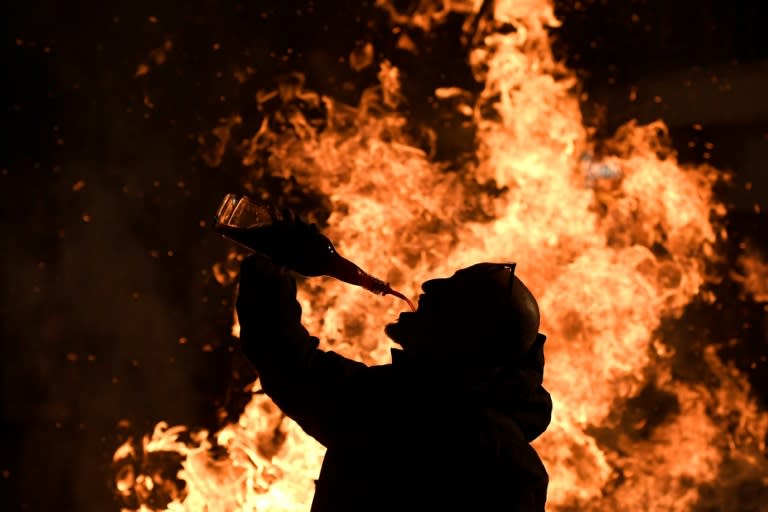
(111, 319)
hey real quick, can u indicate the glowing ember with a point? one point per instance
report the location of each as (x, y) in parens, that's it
(610, 243)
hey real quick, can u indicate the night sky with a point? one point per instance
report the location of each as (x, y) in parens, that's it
(111, 318)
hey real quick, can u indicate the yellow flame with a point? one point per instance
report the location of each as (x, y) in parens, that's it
(587, 243)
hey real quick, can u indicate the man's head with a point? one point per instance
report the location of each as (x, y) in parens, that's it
(482, 316)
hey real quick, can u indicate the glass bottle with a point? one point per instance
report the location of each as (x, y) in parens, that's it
(291, 242)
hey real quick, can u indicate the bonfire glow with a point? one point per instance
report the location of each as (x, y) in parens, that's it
(611, 244)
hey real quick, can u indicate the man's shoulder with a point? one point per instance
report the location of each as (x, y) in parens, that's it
(378, 387)
(375, 374)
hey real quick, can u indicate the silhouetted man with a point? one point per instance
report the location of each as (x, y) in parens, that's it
(446, 426)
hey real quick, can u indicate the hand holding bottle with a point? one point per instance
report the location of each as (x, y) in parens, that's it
(291, 242)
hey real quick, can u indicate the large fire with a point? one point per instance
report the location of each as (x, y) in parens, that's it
(611, 240)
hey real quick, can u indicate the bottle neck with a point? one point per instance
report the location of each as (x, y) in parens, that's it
(344, 270)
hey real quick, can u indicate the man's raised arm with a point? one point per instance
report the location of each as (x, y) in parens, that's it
(307, 383)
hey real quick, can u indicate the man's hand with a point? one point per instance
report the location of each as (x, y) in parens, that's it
(264, 289)
(298, 245)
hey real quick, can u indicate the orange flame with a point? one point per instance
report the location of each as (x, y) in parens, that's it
(610, 244)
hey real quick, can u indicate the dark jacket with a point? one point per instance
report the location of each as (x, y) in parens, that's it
(400, 436)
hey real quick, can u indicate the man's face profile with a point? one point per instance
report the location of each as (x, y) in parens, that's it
(452, 309)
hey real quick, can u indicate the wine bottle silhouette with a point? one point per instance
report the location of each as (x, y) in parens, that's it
(291, 242)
